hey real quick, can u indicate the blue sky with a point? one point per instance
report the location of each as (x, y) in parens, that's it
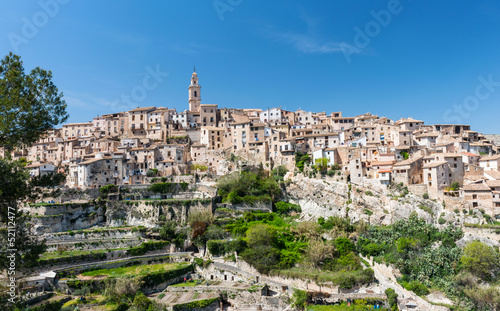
(433, 60)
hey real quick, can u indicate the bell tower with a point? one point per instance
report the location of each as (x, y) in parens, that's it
(194, 93)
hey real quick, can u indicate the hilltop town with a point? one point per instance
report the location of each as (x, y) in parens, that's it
(144, 144)
(248, 209)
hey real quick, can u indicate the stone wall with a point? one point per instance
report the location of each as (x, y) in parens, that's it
(90, 240)
(65, 217)
(241, 271)
(418, 190)
(147, 213)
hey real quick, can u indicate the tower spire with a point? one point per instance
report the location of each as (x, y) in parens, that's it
(194, 68)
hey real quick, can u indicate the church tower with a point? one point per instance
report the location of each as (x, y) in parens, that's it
(194, 93)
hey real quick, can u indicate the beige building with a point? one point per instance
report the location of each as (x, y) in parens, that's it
(479, 196)
(212, 137)
(408, 171)
(208, 115)
(75, 130)
(137, 121)
(490, 163)
(199, 153)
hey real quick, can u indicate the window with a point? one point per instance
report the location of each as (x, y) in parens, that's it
(195, 94)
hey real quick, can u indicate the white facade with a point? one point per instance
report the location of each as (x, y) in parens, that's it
(271, 115)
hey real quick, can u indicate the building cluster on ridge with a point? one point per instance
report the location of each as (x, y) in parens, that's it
(121, 148)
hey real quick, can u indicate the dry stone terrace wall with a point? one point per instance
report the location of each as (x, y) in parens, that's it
(65, 217)
(241, 271)
(147, 212)
(91, 240)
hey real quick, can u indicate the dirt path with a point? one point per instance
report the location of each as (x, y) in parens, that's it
(387, 279)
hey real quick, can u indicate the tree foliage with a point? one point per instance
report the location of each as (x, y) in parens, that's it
(481, 260)
(30, 104)
(421, 251)
(250, 186)
(301, 160)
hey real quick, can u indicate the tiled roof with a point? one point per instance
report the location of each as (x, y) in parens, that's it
(476, 187)
(434, 164)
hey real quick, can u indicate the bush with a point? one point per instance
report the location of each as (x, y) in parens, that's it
(248, 186)
(369, 193)
(263, 257)
(481, 260)
(218, 247)
(441, 220)
(164, 188)
(146, 247)
(152, 172)
(105, 190)
(301, 159)
(158, 277)
(200, 304)
(392, 298)
(416, 287)
(344, 246)
(299, 299)
(141, 302)
(425, 196)
(284, 208)
(371, 249)
(123, 306)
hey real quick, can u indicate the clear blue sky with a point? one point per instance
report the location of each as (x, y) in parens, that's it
(422, 58)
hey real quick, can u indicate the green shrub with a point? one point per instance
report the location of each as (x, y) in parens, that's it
(299, 299)
(105, 190)
(152, 172)
(371, 249)
(166, 187)
(284, 208)
(369, 193)
(441, 220)
(425, 196)
(248, 186)
(301, 160)
(158, 277)
(141, 302)
(218, 247)
(392, 298)
(195, 304)
(146, 247)
(343, 246)
(416, 287)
